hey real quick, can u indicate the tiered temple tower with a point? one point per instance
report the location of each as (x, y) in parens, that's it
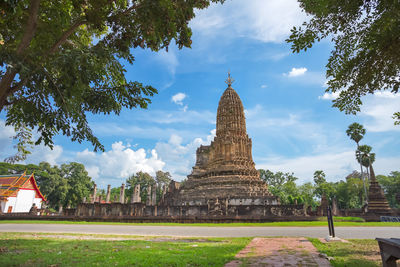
(224, 182)
(377, 202)
(225, 168)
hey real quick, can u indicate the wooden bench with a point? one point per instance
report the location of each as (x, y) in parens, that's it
(390, 251)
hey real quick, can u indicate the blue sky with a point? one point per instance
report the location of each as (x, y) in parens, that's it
(289, 116)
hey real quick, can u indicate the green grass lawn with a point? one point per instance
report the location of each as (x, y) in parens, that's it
(357, 252)
(43, 249)
(267, 224)
(18, 249)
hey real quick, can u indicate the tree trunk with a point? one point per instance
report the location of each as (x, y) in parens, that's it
(362, 177)
(5, 86)
(30, 28)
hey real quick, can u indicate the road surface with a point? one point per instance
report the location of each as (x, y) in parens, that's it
(195, 231)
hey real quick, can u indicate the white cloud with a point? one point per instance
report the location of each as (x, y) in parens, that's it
(386, 94)
(178, 98)
(180, 158)
(116, 165)
(43, 153)
(263, 86)
(175, 140)
(296, 72)
(329, 96)
(378, 111)
(257, 19)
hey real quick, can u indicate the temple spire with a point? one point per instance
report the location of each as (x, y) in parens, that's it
(230, 80)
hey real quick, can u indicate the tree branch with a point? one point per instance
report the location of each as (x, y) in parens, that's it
(30, 27)
(64, 37)
(129, 9)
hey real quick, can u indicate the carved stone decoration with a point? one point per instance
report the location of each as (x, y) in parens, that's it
(164, 192)
(335, 209)
(154, 195)
(122, 194)
(148, 199)
(108, 193)
(136, 194)
(215, 207)
(225, 168)
(93, 198)
(322, 208)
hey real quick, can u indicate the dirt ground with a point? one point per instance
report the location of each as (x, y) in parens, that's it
(279, 252)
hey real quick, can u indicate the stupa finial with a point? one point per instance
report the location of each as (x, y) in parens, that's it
(230, 80)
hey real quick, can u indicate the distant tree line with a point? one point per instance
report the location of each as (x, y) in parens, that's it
(69, 184)
(145, 180)
(349, 192)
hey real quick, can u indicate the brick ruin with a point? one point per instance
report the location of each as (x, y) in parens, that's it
(377, 202)
(376, 207)
(223, 182)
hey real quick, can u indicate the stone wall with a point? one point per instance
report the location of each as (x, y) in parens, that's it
(220, 208)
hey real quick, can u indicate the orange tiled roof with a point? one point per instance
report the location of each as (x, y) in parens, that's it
(10, 184)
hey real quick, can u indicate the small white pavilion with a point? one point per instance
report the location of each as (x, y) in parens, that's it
(18, 193)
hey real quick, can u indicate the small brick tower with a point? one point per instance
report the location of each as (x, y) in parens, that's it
(377, 202)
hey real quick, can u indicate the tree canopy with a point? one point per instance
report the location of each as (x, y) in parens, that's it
(283, 186)
(364, 155)
(144, 179)
(391, 186)
(60, 60)
(366, 54)
(356, 132)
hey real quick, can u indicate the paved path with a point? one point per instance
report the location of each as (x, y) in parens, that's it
(279, 252)
(342, 232)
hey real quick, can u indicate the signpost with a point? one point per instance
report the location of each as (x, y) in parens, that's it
(331, 236)
(330, 223)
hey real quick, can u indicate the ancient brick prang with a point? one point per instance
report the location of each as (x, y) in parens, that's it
(225, 169)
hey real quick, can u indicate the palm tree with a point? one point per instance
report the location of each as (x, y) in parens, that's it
(356, 132)
(365, 157)
(319, 177)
